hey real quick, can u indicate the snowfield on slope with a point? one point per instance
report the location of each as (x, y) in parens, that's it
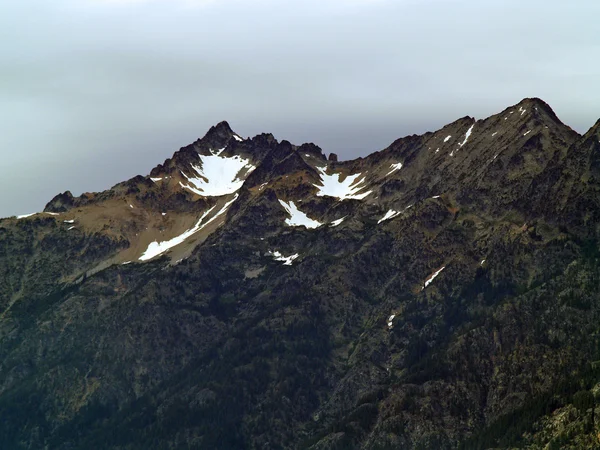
(158, 248)
(287, 260)
(394, 167)
(297, 217)
(432, 277)
(346, 189)
(391, 214)
(218, 175)
(335, 223)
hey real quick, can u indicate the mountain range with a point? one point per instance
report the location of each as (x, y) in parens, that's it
(249, 293)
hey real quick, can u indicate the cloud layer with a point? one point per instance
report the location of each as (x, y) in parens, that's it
(93, 92)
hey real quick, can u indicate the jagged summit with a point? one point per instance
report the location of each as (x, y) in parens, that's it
(490, 163)
(221, 128)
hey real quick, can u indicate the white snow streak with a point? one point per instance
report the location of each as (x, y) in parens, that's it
(390, 320)
(482, 261)
(335, 223)
(432, 277)
(494, 133)
(69, 221)
(467, 135)
(23, 216)
(70, 228)
(157, 248)
(394, 167)
(527, 133)
(237, 138)
(447, 138)
(155, 179)
(347, 189)
(287, 260)
(218, 175)
(297, 217)
(391, 214)
(222, 211)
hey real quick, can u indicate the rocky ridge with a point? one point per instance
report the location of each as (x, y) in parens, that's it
(251, 293)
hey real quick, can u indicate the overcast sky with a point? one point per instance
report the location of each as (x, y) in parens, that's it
(93, 92)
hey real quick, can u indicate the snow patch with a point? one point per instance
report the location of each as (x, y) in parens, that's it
(527, 133)
(482, 261)
(432, 277)
(494, 133)
(287, 260)
(158, 248)
(69, 221)
(70, 228)
(297, 217)
(447, 138)
(218, 175)
(335, 223)
(237, 138)
(467, 135)
(391, 214)
(394, 167)
(155, 179)
(390, 320)
(26, 215)
(347, 189)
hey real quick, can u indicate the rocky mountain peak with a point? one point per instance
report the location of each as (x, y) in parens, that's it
(60, 203)
(219, 134)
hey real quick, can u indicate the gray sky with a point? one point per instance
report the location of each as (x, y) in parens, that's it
(93, 92)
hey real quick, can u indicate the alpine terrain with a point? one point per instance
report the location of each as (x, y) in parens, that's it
(443, 293)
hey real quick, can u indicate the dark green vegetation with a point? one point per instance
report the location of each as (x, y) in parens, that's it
(230, 349)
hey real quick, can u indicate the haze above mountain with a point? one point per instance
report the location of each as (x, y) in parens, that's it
(96, 91)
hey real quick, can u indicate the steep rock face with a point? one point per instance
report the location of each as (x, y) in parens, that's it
(251, 293)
